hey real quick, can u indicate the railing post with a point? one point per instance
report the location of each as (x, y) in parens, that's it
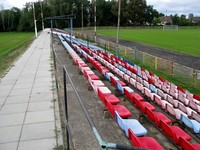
(172, 69)
(194, 76)
(66, 108)
(135, 53)
(54, 59)
(156, 63)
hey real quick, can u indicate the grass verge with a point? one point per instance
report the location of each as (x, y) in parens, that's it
(10, 51)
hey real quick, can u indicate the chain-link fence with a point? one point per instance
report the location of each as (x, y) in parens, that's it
(182, 74)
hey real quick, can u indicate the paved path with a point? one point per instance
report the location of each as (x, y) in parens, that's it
(27, 118)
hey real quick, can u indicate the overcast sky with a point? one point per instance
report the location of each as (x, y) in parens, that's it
(164, 6)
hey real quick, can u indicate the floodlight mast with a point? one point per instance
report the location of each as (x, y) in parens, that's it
(95, 20)
(118, 25)
(42, 15)
(34, 20)
(82, 17)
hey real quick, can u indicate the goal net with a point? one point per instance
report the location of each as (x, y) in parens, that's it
(170, 27)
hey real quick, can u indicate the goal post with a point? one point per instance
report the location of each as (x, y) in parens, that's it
(170, 27)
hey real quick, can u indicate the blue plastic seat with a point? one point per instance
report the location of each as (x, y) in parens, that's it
(191, 123)
(108, 75)
(120, 86)
(153, 88)
(132, 124)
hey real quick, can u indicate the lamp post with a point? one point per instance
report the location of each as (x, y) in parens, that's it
(34, 20)
(95, 20)
(42, 15)
(118, 25)
(82, 17)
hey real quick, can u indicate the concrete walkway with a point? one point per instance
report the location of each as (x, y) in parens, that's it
(27, 114)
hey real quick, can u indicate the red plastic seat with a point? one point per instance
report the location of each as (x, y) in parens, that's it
(175, 132)
(157, 117)
(102, 91)
(112, 99)
(121, 83)
(120, 109)
(197, 97)
(93, 77)
(144, 105)
(144, 142)
(188, 146)
(136, 96)
(128, 92)
(114, 80)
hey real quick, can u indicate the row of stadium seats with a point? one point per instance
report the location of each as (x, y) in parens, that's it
(118, 111)
(174, 107)
(182, 134)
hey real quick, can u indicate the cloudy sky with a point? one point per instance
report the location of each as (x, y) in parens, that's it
(164, 6)
(176, 6)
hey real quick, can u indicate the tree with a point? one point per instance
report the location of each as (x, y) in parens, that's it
(136, 11)
(150, 15)
(183, 20)
(175, 19)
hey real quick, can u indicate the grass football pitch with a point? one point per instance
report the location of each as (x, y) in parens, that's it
(184, 40)
(13, 44)
(12, 40)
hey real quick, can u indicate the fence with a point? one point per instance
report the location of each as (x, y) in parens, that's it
(63, 79)
(185, 76)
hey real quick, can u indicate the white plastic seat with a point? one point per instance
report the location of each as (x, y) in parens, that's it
(133, 82)
(175, 112)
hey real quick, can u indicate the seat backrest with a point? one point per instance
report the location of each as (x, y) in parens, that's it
(137, 103)
(146, 84)
(160, 93)
(186, 121)
(166, 128)
(157, 99)
(186, 145)
(170, 109)
(197, 97)
(150, 114)
(119, 121)
(170, 99)
(153, 88)
(182, 107)
(147, 92)
(195, 116)
(193, 105)
(134, 139)
(110, 108)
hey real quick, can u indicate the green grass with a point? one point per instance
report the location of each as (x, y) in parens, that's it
(12, 40)
(13, 44)
(183, 40)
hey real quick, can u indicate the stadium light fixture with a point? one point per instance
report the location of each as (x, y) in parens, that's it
(118, 25)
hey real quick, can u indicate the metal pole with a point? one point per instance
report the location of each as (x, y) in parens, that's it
(95, 20)
(71, 26)
(66, 107)
(118, 25)
(82, 17)
(42, 15)
(34, 20)
(51, 28)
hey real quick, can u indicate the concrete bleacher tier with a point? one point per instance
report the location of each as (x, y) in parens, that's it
(105, 95)
(152, 87)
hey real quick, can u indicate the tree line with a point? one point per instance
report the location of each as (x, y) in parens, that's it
(133, 13)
